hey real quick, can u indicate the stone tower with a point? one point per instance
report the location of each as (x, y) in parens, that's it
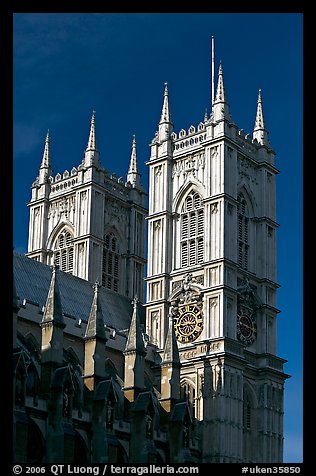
(212, 267)
(90, 223)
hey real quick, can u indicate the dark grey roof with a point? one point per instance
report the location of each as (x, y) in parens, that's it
(103, 390)
(144, 399)
(32, 280)
(180, 411)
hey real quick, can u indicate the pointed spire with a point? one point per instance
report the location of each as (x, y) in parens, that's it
(260, 133)
(220, 92)
(165, 113)
(46, 155)
(95, 326)
(45, 168)
(135, 341)
(171, 352)
(92, 145)
(220, 108)
(53, 309)
(205, 115)
(165, 124)
(91, 156)
(133, 175)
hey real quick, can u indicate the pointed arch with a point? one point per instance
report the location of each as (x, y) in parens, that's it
(189, 206)
(64, 224)
(33, 345)
(188, 392)
(245, 234)
(60, 243)
(32, 384)
(249, 423)
(247, 195)
(19, 378)
(121, 238)
(250, 403)
(191, 184)
(113, 248)
(73, 357)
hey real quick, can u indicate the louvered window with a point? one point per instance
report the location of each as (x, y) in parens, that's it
(192, 231)
(110, 263)
(247, 412)
(184, 254)
(243, 233)
(64, 251)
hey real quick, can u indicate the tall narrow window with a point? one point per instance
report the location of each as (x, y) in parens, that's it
(243, 225)
(247, 412)
(192, 231)
(110, 263)
(64, 251)
(187, 391)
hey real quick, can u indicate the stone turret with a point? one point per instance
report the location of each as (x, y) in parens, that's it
(134, 357)
(52, 325)
(94, 346)
(92, 154)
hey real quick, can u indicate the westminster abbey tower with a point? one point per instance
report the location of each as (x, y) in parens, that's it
(190, 367)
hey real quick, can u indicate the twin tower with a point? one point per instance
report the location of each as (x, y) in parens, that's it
(211, 262)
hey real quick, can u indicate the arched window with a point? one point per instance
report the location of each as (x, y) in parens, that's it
(187, 391)
(64, 251)
(243, 235)
(247, 413)
(32, 383)
(192, 231)
(111, 262)
(250, 431)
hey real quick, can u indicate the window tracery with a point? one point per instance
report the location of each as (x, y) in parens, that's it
(64, 251)
(192, 230)
(110, 262)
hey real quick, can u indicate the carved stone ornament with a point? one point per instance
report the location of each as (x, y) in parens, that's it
(247, 300)
(247, 305)
(186, 309)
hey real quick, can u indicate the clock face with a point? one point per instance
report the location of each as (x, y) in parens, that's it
(246, 329)
(188, 323)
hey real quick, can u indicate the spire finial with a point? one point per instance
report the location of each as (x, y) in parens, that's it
(171, 352)
(135, 301)
(91, 156)
(46, 155)
(53, 308)
(135, 339)
(260, 132)
(133, 176)
(95, 325)
(96, 286)
(220, 92)
(55, 266)
(220, 109)
(165, 123)
(92, 139)
(165, 113)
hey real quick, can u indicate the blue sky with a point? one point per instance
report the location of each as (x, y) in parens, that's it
(68, 64)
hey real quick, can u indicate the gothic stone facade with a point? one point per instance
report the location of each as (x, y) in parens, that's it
(190, 375)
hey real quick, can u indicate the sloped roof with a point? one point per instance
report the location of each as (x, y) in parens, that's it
(180, 411)
(32, 280)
